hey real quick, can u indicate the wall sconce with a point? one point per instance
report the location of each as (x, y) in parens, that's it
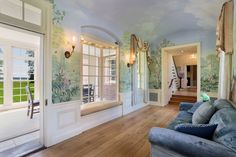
(193, 56)
(131, 60)
(69, 53)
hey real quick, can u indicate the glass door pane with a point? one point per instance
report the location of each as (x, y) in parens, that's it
(32, 14)
(11, 8)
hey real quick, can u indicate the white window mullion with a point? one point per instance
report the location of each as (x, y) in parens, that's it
(101, 83)
(89, 75)
(37, 78)
(8, 76)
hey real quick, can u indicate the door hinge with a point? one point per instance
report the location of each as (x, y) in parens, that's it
(46, 102)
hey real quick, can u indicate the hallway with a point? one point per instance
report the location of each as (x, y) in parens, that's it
(123, 137)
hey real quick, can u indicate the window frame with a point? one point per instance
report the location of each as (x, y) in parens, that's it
(8, 71)
(9, 20)
(101, 45)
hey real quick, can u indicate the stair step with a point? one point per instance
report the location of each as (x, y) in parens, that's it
(183, 96)
(192, 101)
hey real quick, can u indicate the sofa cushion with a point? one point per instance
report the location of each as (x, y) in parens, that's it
(222, 103)
(203, 114)
(201, 130)
(195, 107)
(182, 117)
(225, 132)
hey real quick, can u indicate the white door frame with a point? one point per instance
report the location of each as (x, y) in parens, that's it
(164, 64)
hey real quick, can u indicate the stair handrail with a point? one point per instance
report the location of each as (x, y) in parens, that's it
(175, 68)
(171, 82)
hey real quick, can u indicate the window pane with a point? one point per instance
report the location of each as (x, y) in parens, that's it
(85, 70)
(94, 60)
(85, 49)
(85, 59)
(106, 71)
(23, 73)
(98, 52)
(106, 52)
(109, 90)
(106, 60)
(91, 50)
(23, 98)
(18, 52)
(94, 81)
(32, 14)
(11, 8)
(85, 80)
(1, 100)
(1, 52)
(1, 85)
(93, 71)
(112, 52)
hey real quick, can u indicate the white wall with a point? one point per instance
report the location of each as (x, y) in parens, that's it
(183, 60)
(65, 120)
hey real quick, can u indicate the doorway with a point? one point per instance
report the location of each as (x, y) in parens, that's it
(21, 64)
(181, 72)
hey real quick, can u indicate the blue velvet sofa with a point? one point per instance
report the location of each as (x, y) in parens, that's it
(166, 142)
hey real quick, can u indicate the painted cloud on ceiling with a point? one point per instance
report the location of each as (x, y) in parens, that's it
(149, 19)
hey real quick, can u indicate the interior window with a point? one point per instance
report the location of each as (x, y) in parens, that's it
(21, 10)
(32, 14)
(11, 8)
(99, 74)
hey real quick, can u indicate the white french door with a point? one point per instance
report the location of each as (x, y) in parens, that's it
(34, 18)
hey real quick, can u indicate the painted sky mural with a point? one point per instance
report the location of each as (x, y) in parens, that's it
(176, 21)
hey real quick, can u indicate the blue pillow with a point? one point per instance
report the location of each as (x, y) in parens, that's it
(195, 107)
(201, 130)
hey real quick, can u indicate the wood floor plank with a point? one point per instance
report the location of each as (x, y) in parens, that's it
(126, 136)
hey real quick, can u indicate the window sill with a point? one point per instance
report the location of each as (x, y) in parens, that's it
(4, 108)
(90, 108)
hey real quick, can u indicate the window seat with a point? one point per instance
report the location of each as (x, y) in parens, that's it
(90, 108)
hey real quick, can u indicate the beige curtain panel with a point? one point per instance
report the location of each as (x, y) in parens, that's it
(224, 30)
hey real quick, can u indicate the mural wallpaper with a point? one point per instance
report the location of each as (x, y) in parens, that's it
(209, 68)
(193, 22)
(125, 72)
(155, 66)
(65, 77)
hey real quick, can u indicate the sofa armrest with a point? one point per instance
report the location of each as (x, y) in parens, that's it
(188, 145)
(184, 106)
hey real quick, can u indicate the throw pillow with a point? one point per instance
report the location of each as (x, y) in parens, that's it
(195, 107)
(222, 103)
(203, 113)
(201, 130)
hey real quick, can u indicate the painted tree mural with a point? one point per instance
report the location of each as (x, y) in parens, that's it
(125, 73)
(66, 72)
(209, 73)
(155, 66)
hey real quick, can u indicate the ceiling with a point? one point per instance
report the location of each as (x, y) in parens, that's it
(149, 19)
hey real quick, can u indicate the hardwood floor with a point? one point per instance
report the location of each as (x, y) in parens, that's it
(123, 137)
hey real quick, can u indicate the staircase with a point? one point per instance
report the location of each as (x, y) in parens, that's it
(176, 99)
(176, 83)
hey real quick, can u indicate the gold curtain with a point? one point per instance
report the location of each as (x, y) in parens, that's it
(224, 46)
(224, 29)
